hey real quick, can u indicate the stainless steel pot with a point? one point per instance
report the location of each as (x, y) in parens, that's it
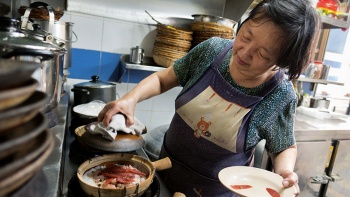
(319, 103)
(60, 31)
(94, 90)
(21, 45)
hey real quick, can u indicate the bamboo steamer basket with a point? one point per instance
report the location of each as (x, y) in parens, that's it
(163, 60)
(136, 161)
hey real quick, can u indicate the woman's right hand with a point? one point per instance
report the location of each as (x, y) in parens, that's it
(124, 106)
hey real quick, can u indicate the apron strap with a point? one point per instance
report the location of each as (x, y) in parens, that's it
(218, 60)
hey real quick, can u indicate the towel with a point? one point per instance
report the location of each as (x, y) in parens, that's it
(117, 124)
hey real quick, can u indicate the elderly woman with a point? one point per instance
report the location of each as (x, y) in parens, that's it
(235, 93)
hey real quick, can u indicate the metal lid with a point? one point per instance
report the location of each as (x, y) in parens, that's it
(94, 83)
(12, 39)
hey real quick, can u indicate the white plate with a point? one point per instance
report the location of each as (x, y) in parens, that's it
(91, 109)
(257, 178)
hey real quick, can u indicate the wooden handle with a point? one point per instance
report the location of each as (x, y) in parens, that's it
(179, 194)
(162, 164)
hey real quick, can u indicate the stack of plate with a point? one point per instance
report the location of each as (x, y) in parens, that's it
(171, 43)
(206, 26)
(25, 142)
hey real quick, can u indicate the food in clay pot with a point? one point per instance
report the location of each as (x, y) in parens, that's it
(112, 176)
(118, 174)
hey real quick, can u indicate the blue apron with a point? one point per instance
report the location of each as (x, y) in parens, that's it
(208, 133)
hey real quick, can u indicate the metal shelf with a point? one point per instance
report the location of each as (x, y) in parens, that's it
(321, 81)
(148, 64)
(331, 23)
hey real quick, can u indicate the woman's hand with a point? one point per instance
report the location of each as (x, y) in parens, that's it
(124, 106)
(290, 179)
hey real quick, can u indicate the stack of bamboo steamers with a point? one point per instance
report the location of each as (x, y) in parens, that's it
(171, 43)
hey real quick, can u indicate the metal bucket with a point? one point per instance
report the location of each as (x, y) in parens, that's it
(62, 33)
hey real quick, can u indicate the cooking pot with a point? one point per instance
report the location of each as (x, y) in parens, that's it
(138, 162)
(94, 90)
(21, 45)
(319, 103)
(60, 31)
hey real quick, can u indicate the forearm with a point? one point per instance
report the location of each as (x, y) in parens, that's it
(285, 160)
(153, 85)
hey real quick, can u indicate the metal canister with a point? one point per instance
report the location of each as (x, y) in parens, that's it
(136, 55)
(325, 71)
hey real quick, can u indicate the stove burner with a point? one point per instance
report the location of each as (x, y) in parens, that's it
(74, 189)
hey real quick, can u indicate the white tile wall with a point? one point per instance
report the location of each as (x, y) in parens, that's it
(89, 31)
(110, 35)
(117, 36)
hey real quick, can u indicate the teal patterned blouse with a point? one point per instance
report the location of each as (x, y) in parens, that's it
(272, 118)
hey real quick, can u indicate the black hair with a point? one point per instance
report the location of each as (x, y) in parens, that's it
(300, 23)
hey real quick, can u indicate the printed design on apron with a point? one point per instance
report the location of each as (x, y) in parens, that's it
(214, 118)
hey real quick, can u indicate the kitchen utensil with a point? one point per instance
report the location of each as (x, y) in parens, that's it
(136, 161)
(21, 71)
(123, 142)
(22, 113)
(251, 181)
(153, 190)
(94, 90)
(13, 96)
(136, 55)
(20, 177)
(153, 18)
(11, 139)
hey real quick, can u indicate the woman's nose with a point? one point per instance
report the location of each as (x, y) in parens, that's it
(247, 52)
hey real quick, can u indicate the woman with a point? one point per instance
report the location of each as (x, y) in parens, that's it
(234, 95)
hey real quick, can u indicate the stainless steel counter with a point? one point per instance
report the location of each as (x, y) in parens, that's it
(307, 128)
(53, 166)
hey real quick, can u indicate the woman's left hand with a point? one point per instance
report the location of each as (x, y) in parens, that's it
(290, 179)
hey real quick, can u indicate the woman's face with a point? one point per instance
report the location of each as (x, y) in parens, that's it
(256, 49)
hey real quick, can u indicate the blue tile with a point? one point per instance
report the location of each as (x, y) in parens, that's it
(85, 63)
(110, 67)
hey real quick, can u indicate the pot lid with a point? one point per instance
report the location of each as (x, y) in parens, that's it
(95, 83)
(13, 39)
(123, 142)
